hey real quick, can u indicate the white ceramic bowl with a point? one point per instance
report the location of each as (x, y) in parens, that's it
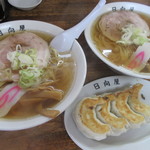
(108, 8)
(25, 4)
(80, 73)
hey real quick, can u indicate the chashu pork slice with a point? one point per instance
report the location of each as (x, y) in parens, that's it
(111, 24)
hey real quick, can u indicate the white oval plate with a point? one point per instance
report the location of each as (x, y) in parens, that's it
(114, 7)
(138, 138)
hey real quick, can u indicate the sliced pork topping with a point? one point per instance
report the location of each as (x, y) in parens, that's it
(111, 24)
(26, 40)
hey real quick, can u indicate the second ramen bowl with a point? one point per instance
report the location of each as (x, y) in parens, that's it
(111, 7)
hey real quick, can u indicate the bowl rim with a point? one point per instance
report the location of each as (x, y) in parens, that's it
(23, 6)
(108, 7)
(80, 76)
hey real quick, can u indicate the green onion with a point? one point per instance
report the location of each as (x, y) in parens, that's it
(133, 35)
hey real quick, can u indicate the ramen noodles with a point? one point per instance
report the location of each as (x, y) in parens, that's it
(119, 34)
(33, 78)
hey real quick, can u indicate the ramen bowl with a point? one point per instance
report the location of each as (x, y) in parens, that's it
(9, 124)
(111, 7)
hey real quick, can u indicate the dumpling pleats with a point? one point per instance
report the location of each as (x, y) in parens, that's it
(111, 114)
(118, 125)
(87, 121)
(135, 103)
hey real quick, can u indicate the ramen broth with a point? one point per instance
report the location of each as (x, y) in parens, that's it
(117, 53)
(63, 79)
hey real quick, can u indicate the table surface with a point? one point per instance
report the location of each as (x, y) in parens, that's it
(64, 13)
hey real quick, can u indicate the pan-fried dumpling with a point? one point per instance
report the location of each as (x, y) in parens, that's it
(111, 114)
(118, 124)
(121, 108)
(136, 104)
(87, 122)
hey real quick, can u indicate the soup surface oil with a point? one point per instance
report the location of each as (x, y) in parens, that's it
(65, 76)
